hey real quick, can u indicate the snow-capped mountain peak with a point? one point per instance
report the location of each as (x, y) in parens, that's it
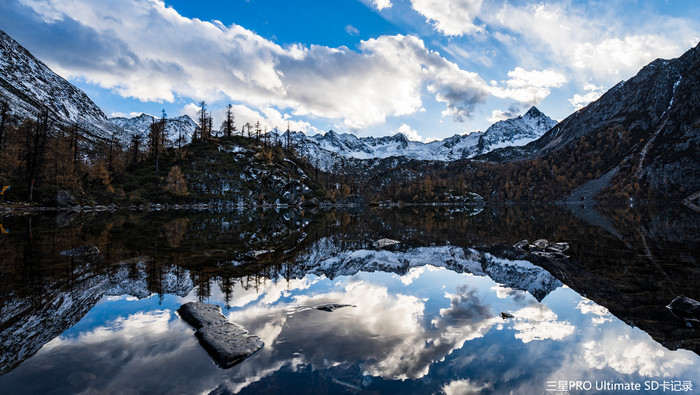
(515, 131)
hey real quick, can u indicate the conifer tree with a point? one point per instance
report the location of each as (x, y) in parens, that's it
(258, 130)
(204, 121)
(228, 127)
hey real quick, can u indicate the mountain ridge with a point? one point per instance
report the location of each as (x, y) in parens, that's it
(331, 150)
(178, 129)
(658, 110)
(29, 86)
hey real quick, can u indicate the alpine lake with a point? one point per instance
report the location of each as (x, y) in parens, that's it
(453, 307)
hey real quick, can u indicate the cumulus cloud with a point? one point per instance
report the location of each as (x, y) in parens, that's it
(450, 17)
(538, 322)
(622, 56)
(388, 330)
(600, 313)
(592, 94)
(157, 54)
(395, 317)
(463, 387)
(409, 132)
(501, 115)
(529, 87)
(630, 356)
(592, 41)
(381, 4)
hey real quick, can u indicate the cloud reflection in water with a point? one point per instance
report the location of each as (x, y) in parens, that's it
(407, 328)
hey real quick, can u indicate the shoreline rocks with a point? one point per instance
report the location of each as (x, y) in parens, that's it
(227, 343)
(85, 251)
(257, 253)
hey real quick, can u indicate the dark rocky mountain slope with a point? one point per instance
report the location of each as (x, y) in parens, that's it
(657, 112)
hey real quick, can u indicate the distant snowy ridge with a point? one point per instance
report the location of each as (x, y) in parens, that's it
(327, 257)
(182, 127)
(329, 150)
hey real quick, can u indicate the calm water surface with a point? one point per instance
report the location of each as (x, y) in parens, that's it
(424, 316)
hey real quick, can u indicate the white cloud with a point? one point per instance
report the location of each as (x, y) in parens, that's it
(529, 87)
(381, 4)
(592, 94)
(158, 55)
(594, 42)
(538, 322)
(600, 314)
(414, 273)
(388, 330)
(410, 133)
(615, 56)
(138, 325)
(631, 356)
(499, 115)
(463, 387)
(450, 17)
(352, 30)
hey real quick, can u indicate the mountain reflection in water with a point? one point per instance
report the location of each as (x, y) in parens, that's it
(424, 316)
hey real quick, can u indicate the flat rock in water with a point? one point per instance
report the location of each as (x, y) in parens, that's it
(200, 314)
(226, 342)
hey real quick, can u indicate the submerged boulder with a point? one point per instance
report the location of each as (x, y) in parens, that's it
(685, 308)
(227, 343)
(86, 251)
(381, 243)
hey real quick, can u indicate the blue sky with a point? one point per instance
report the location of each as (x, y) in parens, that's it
(428, 68)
